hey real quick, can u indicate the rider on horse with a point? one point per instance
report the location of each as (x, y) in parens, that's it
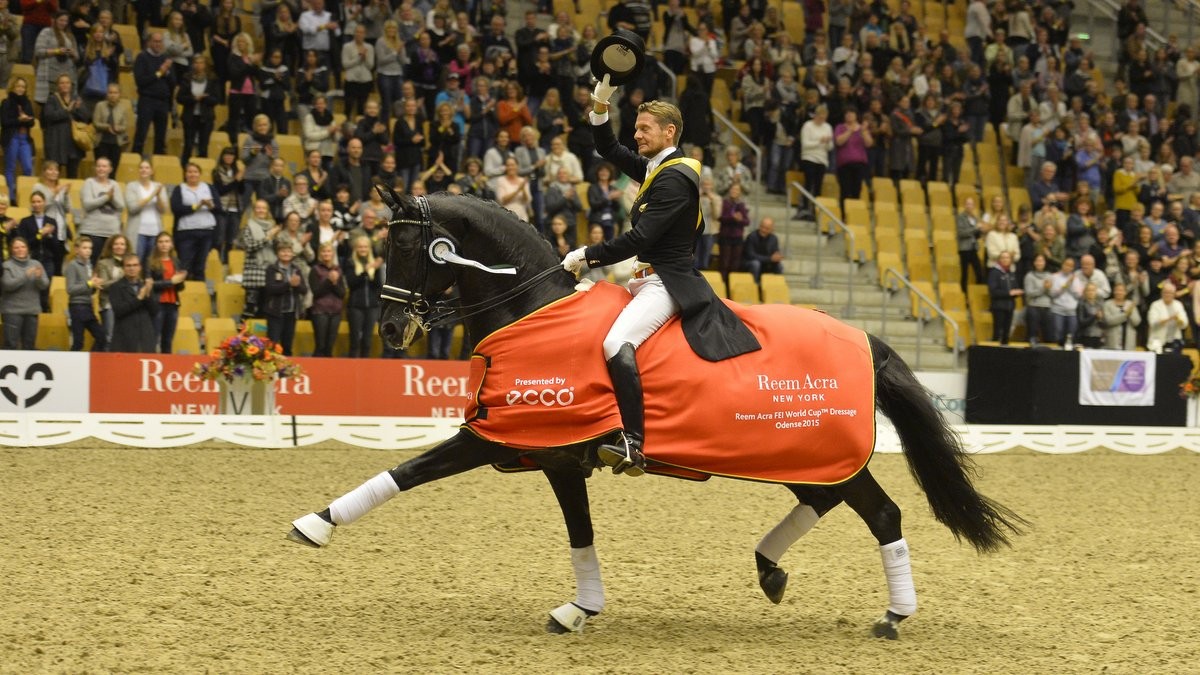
(665, 221)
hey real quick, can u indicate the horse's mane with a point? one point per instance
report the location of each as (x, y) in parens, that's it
(515, 240)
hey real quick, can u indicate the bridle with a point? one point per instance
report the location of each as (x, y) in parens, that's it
(427, 314)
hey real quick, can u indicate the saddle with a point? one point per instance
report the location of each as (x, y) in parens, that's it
(801, 410)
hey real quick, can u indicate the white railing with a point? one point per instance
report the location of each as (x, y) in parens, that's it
(856, 254)
(282, 431)
(923, 316)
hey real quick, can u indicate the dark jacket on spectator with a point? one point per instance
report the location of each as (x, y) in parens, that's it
(328, 297)
(149, 84)
(280, 298)
(134, 327)
(1000, 282)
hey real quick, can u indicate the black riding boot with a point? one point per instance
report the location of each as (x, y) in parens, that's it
(626, 457)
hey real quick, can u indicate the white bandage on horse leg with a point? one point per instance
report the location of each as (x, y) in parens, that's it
(356, 503)
(589, 590)
(794, 525)
(902, 595)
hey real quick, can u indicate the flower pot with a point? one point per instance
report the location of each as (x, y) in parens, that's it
(247, 396)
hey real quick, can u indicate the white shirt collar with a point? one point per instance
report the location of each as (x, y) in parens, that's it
(658, 159)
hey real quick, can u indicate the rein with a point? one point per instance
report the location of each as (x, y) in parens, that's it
(441, 251)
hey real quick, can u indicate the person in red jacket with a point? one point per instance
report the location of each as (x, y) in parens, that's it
(38, 14)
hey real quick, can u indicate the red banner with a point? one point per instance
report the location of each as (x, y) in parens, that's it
(164, 384)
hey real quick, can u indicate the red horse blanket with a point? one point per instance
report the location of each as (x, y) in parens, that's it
(801, 410)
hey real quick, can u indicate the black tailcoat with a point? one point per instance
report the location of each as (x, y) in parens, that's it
(663, 235)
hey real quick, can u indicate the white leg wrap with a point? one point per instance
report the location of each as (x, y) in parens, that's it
(589, 590)
(902, 595)
(794, 525)
(356, 503)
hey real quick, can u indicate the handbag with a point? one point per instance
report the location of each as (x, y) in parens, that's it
(97, 79)
(82, 135)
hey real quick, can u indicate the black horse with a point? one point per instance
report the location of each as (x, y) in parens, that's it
(443, 240)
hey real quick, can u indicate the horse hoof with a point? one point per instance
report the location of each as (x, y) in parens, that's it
(311, 530)
(887, 626)
(773, 584)
(569, 618)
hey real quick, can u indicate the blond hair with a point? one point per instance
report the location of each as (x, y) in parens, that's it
(666, 114)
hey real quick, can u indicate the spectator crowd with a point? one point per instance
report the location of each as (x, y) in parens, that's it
(446, 95)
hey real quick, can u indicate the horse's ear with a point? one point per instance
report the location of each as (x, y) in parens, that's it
(398, 203)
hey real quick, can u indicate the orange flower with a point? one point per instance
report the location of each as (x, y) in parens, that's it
(216, 353)
(251, 350)
(278, 349)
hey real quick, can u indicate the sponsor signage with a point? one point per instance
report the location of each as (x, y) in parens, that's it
(164, 384)
(43, 382)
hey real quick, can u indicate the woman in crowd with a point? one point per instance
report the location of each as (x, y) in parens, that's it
(59, 111)
(178, 45)
(1002, 239)
(168, 277)
(103, 202)
(301, 201)
(390, 59)
(409, 141)
(513, 112)
(512, 190)
(258, 151)
(16, 119)
(852, 140)
(109, 269)
(1121, 320)
(365, 281)
(21, 287)
(274, 86)
(312, 80)
(226, 26)
(604, 200)
(445, 138)
(57, 195)
(317, 176)
(969, 231)
(735, 215)
(283, 35)
(113, 119)
(557, 236)
(199, 93)
(243, 95)
(57, 54)
(195, 206)
(328, 299)
(816, 142)
(299, 239)
(146, 199)
(99, 68)
(1038, 324)
(257, 240)
(227, 181)
(318, 132)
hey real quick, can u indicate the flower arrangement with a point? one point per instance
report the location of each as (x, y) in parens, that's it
(1190, 388)
(247, 354)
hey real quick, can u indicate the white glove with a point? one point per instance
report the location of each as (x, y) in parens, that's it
(573, 262)
(603, 91)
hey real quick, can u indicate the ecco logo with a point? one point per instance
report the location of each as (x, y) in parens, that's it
(546, 397)
(33, 369)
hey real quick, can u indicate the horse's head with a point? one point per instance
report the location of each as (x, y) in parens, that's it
(416, 273)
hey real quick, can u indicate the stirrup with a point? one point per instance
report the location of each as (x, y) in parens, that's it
(623, 457)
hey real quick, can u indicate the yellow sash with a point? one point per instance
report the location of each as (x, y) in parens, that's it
(690, 163)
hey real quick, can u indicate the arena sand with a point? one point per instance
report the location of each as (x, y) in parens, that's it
(122, 560)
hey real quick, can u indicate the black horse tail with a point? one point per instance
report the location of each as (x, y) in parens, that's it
(936, 457)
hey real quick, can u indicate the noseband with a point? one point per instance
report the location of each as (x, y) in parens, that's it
(441, 251)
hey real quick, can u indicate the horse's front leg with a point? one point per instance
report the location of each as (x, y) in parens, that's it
(461, 453)
(570, 487)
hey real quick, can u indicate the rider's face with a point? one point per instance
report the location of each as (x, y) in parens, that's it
(651, 136)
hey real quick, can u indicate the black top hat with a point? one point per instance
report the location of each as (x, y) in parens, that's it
(620, 56)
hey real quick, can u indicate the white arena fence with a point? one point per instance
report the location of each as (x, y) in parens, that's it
(408, 433)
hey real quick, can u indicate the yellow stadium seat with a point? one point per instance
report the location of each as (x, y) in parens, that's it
(195, 303)
(130, 40)
(939, 193)
(714, 279)
(167, 169)
(889, 261)
(237, 261)
(887, 215)
(775, 289)
(883, 189)
(214, 269)
(217, 329)
(914, 216)
(187, 338)
(916, 304)
(863, 248)
(305, 342)
(231, 299)
(950, 295)
(206, 164)
(964, 328)
(742, 288)
(53, 333)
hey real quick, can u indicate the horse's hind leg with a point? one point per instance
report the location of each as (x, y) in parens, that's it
(460, 453)
(815, 502)
(882, 517)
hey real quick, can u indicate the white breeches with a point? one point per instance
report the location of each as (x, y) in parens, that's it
(647, 312)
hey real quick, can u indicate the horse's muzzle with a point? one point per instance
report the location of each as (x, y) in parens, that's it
(398, 329)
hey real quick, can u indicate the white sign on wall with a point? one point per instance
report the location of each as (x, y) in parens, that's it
(44, 382)
(949, 391)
